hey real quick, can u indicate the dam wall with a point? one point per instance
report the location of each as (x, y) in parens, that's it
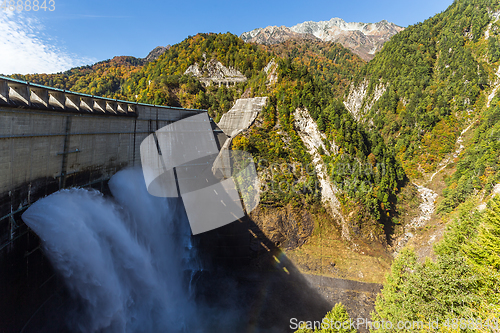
(52, 139)
(65, 139)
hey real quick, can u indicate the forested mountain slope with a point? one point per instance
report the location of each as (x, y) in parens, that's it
(432, 93)
(101, 79)
(295, 75)
(311, 74)
(429, 82)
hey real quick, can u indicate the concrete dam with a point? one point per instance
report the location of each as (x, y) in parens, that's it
(52, 140)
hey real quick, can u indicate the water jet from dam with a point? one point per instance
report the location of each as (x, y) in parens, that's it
(128, 260)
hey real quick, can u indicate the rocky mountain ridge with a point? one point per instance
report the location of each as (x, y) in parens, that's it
(364, 39)
(156, 53)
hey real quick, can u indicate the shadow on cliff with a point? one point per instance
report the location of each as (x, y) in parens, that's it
(247, 272)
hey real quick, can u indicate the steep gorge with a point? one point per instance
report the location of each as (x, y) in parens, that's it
(416, 116)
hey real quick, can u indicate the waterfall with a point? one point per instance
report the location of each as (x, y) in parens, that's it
(128, 259)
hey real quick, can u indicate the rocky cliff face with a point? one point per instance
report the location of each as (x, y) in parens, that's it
(364, 39)
(156, 53)
(215, 72)
(313, 139)
(270, 70)
(356, 101)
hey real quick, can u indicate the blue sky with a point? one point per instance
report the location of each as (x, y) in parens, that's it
(82, 32)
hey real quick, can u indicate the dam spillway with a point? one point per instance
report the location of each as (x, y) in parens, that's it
(52, 139)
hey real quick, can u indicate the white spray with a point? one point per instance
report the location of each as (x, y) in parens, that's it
(126, 259)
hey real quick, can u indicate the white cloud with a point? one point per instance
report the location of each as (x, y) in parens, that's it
(24, 50)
